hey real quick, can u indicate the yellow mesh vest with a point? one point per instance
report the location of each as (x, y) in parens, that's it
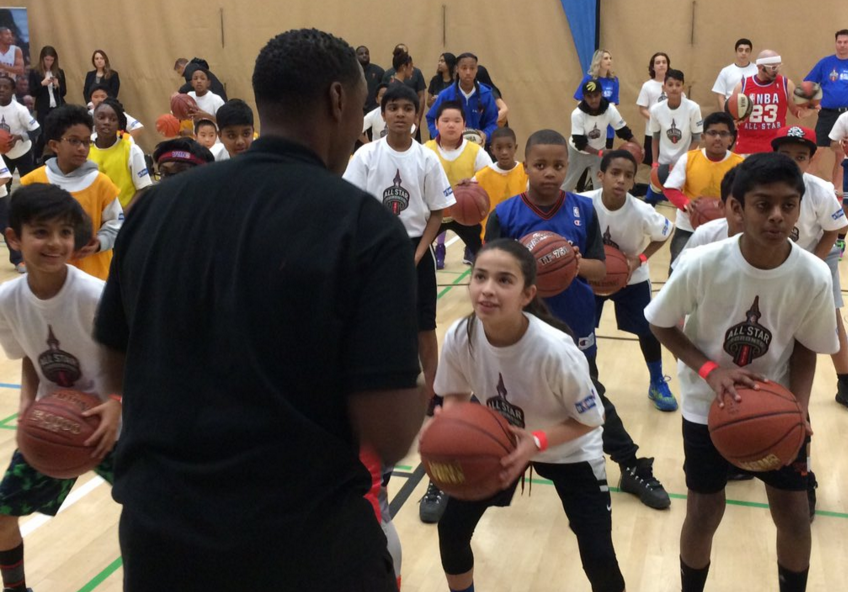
(703, 176)
(501, 187)
(114, 163)
(459, 169)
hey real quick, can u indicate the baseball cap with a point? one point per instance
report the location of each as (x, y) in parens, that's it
(795, 134)
(591, 86)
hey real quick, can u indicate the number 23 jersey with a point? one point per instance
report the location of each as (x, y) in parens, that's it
(767, 116)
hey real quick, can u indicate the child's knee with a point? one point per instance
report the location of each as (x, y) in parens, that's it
(705, 510)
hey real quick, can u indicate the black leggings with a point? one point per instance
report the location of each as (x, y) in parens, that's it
(470, 235)
(584, 492)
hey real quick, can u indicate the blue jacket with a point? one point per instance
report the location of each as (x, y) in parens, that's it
(481, 113)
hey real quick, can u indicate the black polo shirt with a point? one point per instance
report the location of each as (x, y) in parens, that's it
(373, 77)
(253, 297)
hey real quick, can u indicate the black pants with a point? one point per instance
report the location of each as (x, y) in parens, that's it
(617, 442)
(470, 235)
(584, 492)
(24, 164)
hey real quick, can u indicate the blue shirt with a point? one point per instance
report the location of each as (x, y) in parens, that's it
(573, 218)
(481, 113)
(832, 74)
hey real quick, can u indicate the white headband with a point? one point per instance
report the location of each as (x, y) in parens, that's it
(769, 61)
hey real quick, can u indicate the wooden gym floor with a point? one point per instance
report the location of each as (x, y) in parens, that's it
(527, 546)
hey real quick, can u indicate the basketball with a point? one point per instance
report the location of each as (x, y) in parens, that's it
(705, 209)
(739, 106)
(763, 432)
(462, 448)
(618, 272)
(52, 431)
(474, 136)
(556, 263)
(807, 94)
(472, 204)
(5, 141)
(168, 125)
(659, 175)
(635, 149)
(182, 106)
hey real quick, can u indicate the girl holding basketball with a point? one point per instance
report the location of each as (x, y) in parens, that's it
(520, 361)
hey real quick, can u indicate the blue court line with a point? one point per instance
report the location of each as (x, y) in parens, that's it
(9, 385)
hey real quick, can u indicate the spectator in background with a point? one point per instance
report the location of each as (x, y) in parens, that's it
(11, 56)
(733, 74)
(103, 74)
(601, 70)
(415, 81)
(484, 78)
(373, 76)
(186, 68)
(48, 88)
(445, 75)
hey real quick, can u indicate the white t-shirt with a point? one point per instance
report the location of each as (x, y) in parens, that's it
(677, 179)
(707, 233)
(730, 76)
(839, 131)
(374, 121)
(219, 151)
(820, 212)
(741, 316)
(210, 102)
(56, 334)
(594, 127)
(410, 184)
(16, 119)
(5, 175)
(536, 383)
(631, 228)
(651, 94)
(481, 161)
(676, 127)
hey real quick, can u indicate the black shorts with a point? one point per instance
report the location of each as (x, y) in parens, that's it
(824, 125)
(630, 303)
(706, 469)
(426, 303)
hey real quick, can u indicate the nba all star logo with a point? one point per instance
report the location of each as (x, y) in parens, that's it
(595, 133)
(59, 366)
(748, 340)
(512, 413)
(396, 198)
(674, 134)
(608, 239)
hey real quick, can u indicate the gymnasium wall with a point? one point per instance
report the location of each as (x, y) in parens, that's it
(526, 44)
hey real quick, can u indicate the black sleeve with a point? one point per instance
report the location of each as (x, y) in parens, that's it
(594, 240)
(432, 88)
(32, 135)
(116, 84)
(420, 84)
(111, 327)
(381, 345)
(580, 141)
(624, 133)
(186, 88)
(86, 88)
(493, 228)
(63, 88)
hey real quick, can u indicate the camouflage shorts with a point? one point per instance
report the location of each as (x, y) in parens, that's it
(25, 491)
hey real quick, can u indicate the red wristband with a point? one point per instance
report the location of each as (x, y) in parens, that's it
(643, 259)
(541, 439)
(117, 398)
(708, 367)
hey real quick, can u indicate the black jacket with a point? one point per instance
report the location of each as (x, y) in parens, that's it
(113, 84)
(215, 86)
(42, 95)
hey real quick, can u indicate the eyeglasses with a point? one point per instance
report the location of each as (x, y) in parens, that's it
(76, 142)
(717, 134)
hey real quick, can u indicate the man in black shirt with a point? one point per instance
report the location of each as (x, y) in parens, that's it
(260, 322)
(186, 68)
(373, 77)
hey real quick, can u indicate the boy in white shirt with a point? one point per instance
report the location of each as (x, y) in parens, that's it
(588, 139)
(638, 231)
(758, 283)
(733, 74)
(839, 138)
(820, 222)
(676, 127)
(208, 102)
(46, 320)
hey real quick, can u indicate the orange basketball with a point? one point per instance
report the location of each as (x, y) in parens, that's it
(705, 209)
(618, 272)
(462, 448)
(182, 106)
(763, 432)
(52, 432)
(168, 125)
(472, 204)
(739, 106)
(807, 94)
(635, 149)
(5, 141)
(556, 264)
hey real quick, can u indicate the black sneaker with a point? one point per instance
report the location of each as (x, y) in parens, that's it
(812, 484)
(640, 481)
(841, 394)
(432, 505)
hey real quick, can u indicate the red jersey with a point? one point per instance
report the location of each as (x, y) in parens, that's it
(767, 117)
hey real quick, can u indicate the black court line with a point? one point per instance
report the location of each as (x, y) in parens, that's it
(403, 495)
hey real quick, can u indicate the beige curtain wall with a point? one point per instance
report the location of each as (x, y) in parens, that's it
(526, 44)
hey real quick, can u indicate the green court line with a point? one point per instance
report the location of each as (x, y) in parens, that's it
(99, 578)
(3, 422)
(450, 272)
(5, 427)
(403, 467)
(729, 502)
(464, 275)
